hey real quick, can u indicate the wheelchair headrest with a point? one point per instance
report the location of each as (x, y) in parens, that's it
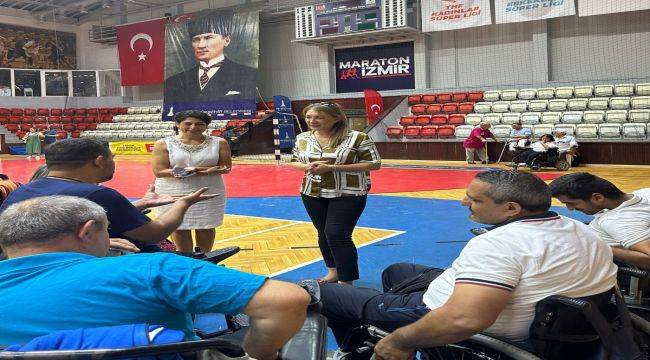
(313, 289)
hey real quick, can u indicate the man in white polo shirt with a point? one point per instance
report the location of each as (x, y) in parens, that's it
(621, 220)
(566, 145)
(529, 254)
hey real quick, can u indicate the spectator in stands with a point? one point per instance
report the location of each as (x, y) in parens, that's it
(57, 246)
(528, 254)
(519, 137)
(215, 77)
(476, 142)
(621, 220)
(50, 136)
(545, 142)
(187, 162)
(77, 166)
(566, 145)
(33, 143)
(336, 163)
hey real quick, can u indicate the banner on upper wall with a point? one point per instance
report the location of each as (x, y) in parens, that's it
(599, 7)
(509, 11)
(211, 63)
(439, 15)
(131, 147)
(380, 67)
(31, 48)
(141, 49)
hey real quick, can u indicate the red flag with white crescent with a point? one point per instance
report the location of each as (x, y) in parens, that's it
(141, 48)
(374, 105)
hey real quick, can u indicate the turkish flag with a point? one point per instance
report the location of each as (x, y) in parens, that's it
(141, 47)
(374, 105)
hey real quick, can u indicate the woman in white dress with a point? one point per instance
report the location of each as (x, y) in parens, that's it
(186, 162)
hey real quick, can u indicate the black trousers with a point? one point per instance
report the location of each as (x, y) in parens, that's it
(335, 219)
(347, 307)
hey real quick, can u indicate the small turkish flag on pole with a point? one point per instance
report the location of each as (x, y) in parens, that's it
(141, 48)
(374, 105)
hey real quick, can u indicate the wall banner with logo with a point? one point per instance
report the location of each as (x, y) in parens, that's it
(439, 15)
(509, 11)
(599, 7)
(131, 147)
(380, 67)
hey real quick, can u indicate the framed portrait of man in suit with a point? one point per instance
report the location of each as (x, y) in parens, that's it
(211, 62)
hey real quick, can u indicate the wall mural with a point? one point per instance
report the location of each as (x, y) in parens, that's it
(31, 48)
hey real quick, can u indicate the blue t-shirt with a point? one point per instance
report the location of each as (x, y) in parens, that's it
(50, 137)
(122, 215)
(44, 293)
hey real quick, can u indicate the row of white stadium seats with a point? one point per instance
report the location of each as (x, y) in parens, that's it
(569, 117)
(127, 134)
(598, 103)
(567, 92)
(137, 118)
(158, 125)
(144, 110)
(581, 131)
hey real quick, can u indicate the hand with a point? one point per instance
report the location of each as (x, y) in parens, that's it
(151, 199)
(197, 196)
(320, 169)
(386, 349)
(484, 140)
(214, 170)
(122, 245)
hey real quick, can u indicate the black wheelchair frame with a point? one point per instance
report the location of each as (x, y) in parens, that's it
(550, 158)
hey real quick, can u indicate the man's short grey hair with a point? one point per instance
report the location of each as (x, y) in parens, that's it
(525, 189)
(47, 218)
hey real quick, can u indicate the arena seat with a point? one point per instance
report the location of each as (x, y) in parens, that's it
(640, 102)
(501, 131)
(564, 92)
(459, 97)
(422, 120)
(429, 132)
(587, 131)
(598, 103)
(61, 135)
(446, 131)
(519, 106)
(418, 109)
(476, 96)
(428, 99)
(642, 89)
(25, 127)
(80, 127)
(40, 119)
(624, 89)
(75, 134)
(491, 95)
(5, 112)
(43, 112)
(466, 108)
(583, 91)
(462, 131)
(407, 120)
(440, 119)
(483, 107)
(80, 112)
(68, 127)
(550, 118)
(572, 117)
(546, 93)
(557, 105)
(69, 112)
(219, 132)
(577, 104)
(619, 103)
(29, 112)
(530, 118)
(510, 118)
(570, 129)
(634, 131)
(56, 112)
(473, 119)
(412, 132)
(538, 105)
(12, 127)
(638, 116)
(509, 94)
(392, 132)
(603, 90)
(20, 134)
(17, 111)
(450, 108)
(77, 119)
(455, 119)
(104, 111)
(14, 119)
(4, 120)
(594, 117)
(414, 99)
(26, 119)
(443, 98)
(492, 118)
(500, 106)
(92, 111)
(434, 109)
(527, 94)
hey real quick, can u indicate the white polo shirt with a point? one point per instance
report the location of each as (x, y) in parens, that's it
(533, 258)
(627, 224)
(565, 143)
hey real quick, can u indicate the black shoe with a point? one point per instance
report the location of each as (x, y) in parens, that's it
(478, 231)
(484, 162)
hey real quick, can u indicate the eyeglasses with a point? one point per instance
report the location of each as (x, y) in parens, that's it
(329, 104)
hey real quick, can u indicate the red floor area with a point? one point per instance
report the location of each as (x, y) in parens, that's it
(132, 177)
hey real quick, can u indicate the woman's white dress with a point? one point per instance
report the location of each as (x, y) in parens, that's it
(205, 214)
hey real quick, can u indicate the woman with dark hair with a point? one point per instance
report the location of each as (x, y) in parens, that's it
(189, 161)
(545, 142)
(336, 162)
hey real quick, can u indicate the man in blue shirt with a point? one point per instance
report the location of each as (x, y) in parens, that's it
(76, 166)
(519, 136)
(56, 278)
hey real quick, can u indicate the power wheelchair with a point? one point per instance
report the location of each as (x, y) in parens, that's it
(550, 158)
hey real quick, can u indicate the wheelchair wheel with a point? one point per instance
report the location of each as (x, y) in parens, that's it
(478, 346)
(562, 165)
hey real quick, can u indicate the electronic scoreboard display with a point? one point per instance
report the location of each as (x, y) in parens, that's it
(346, 16)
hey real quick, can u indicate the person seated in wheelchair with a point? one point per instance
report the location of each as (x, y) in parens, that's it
(519, 137)
(57, 278)
(529, 253)
(540, 151)
(621, 220)
(567, 147)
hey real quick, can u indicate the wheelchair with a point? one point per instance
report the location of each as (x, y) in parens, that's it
(635, 284)
(550, 158)
(593, 327)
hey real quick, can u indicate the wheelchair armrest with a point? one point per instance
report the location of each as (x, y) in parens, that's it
(578, 304)
(637, 273)
(214, 257)
(310, 342)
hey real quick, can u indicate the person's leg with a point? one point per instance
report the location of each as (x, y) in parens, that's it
(347, 307)
(482, 154)
(397, 273)
(183, 240)
(342, 216)
(469, 155)
(205, 239)
(317, 211)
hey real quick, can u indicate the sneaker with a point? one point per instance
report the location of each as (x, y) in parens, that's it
(484, 162)
(38, 157)
(29, 157)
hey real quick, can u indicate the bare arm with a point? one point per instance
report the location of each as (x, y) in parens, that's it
(277, 312)
(470, 309)
(637, 255)
(160, 160)
(299, 166)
